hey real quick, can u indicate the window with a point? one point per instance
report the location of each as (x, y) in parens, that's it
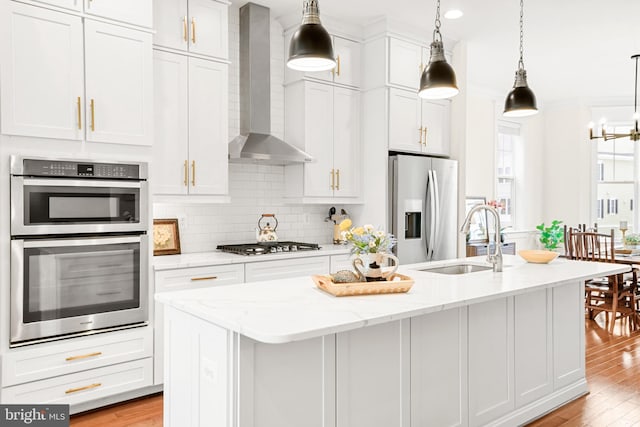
(615, 180)
(507, 145)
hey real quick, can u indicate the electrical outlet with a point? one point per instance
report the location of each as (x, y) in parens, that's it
(182, 222)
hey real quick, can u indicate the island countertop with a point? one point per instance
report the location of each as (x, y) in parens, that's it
(295, 309)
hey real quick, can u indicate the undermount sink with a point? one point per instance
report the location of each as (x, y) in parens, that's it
(457, 269)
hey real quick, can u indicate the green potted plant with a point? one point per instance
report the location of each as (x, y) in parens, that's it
(552, 236)
(632, 240)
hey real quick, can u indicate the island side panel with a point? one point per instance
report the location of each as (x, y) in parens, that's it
(286, 385)
(568, 338)
(439, 393)
(372, 374)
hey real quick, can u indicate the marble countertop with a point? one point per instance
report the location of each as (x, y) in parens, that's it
(201, 259)
(294, 309)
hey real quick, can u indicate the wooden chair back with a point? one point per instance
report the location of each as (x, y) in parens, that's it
(568, 250)
(591, 246)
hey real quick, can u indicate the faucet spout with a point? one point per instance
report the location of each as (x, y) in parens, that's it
(496, 258)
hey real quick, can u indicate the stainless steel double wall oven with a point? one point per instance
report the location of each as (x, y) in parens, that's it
(79, 247)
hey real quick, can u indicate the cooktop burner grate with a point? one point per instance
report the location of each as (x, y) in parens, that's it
(268, 248)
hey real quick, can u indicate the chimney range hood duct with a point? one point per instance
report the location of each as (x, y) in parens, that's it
(255, 142)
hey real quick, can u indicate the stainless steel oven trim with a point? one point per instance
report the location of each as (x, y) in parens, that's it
(79, 324)
(17, 164)
(72, 182)
(17, 209)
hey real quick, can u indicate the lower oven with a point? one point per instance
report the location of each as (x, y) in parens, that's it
(77, 285)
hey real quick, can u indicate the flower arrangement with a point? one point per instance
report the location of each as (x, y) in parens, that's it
(632, 239)
(495, 204)
(366, 239)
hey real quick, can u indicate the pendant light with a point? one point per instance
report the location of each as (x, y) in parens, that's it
(438, 80)
(311, 48)
(634, 133)
(521, 101)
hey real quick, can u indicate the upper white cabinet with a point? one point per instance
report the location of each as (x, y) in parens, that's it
(346, 71)
(119, 90)
(196, 26)
(190, 148)
(42, 77)
(136, 12)
(68, 80)
(324, 121)
(417, 125)
(405, 63)
(67, 4)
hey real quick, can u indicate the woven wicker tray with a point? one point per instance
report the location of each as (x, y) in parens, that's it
(397, 283)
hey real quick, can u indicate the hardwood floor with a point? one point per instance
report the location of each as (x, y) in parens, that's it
(613, 374)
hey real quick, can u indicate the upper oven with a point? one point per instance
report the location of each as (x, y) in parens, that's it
(71, 197)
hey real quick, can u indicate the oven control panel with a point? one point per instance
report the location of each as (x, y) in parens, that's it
(57, 168)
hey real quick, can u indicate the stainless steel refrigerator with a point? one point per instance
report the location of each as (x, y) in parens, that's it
(423, 207)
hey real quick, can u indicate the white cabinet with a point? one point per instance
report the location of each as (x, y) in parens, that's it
(119, 90)
(341, 262)
(62, 79)
(66, 4)
(286, 268)
(183, 279)
(324, 121)
(568, 327)
(190, 150)
(380, 400)
(347, 70)
(406, 63)
(136, 12)
(439, 393)
(42, 74)
(417, 125)
(196, 26)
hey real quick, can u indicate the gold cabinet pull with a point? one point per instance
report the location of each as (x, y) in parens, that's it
(87, 387)
(333, 179)
(420, 135)
(93, 116)
(185, 30)
(79, 105)
(424, 130)
(193, 173)
(193, 30)
(186, 173)
(338, 61)
(84, 356)
(421, 67)
(338, 179)
(197, 279)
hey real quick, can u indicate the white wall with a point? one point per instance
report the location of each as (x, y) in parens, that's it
(254, 189)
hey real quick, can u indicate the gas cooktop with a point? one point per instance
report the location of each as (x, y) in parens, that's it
(268, 248)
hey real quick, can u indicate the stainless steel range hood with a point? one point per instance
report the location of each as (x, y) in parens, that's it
(255, 142)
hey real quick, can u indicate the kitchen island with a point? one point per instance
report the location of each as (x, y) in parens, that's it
(482, 348)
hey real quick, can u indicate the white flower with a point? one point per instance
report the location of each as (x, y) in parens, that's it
(372, 244)
(379, 233)
(368, 228)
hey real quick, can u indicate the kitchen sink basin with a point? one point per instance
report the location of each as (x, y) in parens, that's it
(457, 269)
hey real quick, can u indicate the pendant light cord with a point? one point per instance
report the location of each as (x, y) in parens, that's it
(635, 99)
(437, 23)
(521, 61)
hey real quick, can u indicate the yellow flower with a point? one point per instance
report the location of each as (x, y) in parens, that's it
(359, 231)
(345, 224)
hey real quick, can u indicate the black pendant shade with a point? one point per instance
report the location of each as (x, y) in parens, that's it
(438, 80)
(521, 101)
(311, 47)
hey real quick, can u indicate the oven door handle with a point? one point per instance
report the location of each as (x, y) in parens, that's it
(80, 242)
(57, 182)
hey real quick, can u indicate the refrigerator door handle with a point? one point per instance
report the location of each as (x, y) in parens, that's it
(436, 222)
(430, 241)
(427, 204)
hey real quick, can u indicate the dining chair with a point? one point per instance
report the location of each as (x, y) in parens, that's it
(577, 229)
(613, 295)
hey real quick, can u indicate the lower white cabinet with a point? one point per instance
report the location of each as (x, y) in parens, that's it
(341, 262)
(568, 326)
(83, 386)
(183, 279)
(286, 268)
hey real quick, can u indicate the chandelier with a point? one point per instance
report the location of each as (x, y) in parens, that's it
(634, 134)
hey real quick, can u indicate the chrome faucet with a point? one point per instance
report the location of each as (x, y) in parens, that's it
(496, 257)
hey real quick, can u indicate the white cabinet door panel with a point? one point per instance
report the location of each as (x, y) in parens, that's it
(136, 12)
(439, 372)
(171, 23)
(435, 118)
(42, 73)
(208, 127)
(490, 360)
(119, 80)
(67, 4)
(568, 338)
(319, 140)
(348, 52)
(404, 63)
(404, 121)
(171, 113)
(346, 142)
(286, 268)
(208, 25)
